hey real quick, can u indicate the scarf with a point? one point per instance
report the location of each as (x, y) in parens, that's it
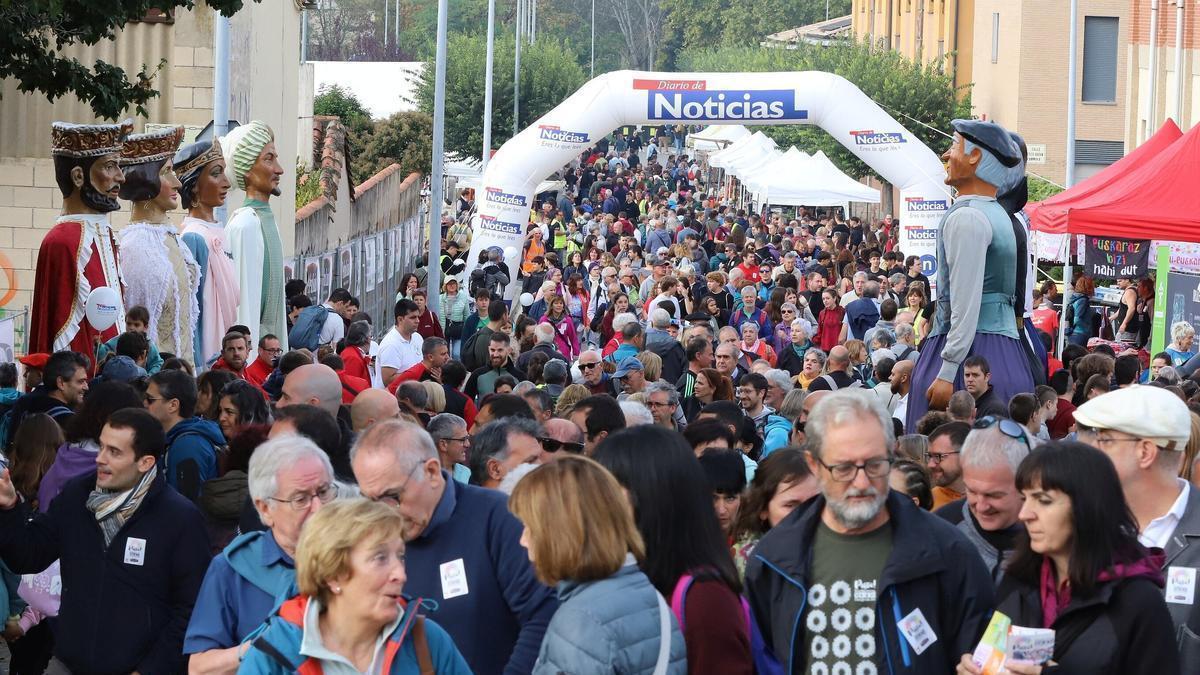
(112, 509)
(1055, 599)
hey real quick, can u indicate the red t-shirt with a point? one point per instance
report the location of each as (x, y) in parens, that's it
(751, 272)
(1064, 418)
(1045, 320)
(257, 372)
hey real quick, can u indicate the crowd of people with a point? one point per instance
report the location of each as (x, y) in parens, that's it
(673, 440)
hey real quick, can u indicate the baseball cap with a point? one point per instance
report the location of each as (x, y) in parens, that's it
(121, 369)
(37, 360)
(1146, 412)
(629, 364)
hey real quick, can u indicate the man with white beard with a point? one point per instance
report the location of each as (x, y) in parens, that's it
(859, 563)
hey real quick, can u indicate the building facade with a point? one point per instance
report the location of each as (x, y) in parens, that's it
(1172, 74)
(926, 31)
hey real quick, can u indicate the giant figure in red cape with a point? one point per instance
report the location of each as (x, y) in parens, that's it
(79, 254)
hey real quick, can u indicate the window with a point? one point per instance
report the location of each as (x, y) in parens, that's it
(1100, 59)
(995, 37)
(1098, 152)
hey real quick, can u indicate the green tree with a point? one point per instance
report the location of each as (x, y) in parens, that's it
(921, 97)
(405, 138)
(549, 74)
(334, 99)
(697, 24)
(37, 31)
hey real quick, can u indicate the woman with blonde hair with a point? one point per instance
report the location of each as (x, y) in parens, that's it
(571, 394)
(351, 615)
(437, 397)
(652, 364)
(582, 539)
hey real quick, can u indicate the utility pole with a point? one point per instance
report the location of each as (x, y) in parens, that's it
(517, 70)
(1072, 66)
(439, 143)
(487, 84)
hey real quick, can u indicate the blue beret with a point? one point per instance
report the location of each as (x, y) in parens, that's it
(991, 137)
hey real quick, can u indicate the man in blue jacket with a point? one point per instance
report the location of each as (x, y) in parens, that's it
(860, 579)
(132, 553)
(192, 442)
(464, 550)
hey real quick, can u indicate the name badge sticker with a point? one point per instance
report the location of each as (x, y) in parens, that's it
(454, 579)
(1181, 585)
(135, 551)
(917, 631)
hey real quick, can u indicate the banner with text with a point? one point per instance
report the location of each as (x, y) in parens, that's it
(1110, 258)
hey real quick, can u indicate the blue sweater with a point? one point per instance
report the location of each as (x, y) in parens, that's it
(116, 616)
(499, 622)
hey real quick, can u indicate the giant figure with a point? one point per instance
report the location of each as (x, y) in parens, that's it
(253, 164)
(977, 271)
(201, 170)
(79, 254)
(160, 273)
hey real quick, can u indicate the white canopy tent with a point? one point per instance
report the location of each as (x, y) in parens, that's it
(785, 162)
(716, 137)
(794, 180)
(754, 145)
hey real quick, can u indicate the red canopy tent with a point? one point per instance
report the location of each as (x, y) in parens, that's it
(1053, 214)
(1160, 199)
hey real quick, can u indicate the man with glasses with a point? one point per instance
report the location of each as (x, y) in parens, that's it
(463, 550)
(945, 445)
(269, 351)
(191, 442)
(860, 579)
(663, 401)
(449, 432)
(594, 378)
(561, 437)
(1144, 431)
(290, 478)
(987, 516)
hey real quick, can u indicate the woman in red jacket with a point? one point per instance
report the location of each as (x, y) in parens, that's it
(428, 324)
(829, 322)
(355, 355)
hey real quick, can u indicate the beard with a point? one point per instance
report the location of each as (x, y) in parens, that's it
(96, 200)
(855, 516)
(276, 192)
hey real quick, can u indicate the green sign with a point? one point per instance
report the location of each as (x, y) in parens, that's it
(1158, 330)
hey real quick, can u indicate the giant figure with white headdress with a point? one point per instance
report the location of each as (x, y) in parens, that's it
(253, 236)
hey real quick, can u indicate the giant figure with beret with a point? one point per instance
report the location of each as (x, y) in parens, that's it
(253, 164)
(160, 273)
(977, 269)
(201, 170)
(79, 254)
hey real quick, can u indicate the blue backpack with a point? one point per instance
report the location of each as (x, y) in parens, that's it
(306, 332)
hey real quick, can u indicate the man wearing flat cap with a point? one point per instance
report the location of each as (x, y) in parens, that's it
(79, 254)
(977, 271)
(253, 165)
(1144, 431)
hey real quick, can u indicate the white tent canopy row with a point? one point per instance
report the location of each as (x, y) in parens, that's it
(753, 146)
(795, 179)
(716, 137)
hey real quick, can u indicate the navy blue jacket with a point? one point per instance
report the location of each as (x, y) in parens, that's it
(191, 455)
(932, 567)
(115, 616)
(499, 623)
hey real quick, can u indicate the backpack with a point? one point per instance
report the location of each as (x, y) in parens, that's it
(467, 351)
(765, 663)
(833, 386)
(306, 332)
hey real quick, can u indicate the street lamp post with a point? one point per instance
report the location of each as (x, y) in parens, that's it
(517, 70)
(487, 90)
(439, 143)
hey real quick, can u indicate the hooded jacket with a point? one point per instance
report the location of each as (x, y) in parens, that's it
(931, 567)
(277, 648)
(72, 460)
(674, 356)
(776, 433)
(191, 455)
(1123, 628)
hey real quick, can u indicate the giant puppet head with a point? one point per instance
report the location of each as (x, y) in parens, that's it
(252, 161)
(1014, 194)
(983, 151)
(149, 170)
(201, 170)
(86, 164)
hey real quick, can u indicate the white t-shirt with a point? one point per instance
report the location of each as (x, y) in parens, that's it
(334, 328)
(396, 352)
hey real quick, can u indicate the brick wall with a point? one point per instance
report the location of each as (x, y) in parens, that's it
(29, 204)
(1139, 18)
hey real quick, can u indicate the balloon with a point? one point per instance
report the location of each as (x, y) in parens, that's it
(510, 252)
(526, 299)
(103, 308)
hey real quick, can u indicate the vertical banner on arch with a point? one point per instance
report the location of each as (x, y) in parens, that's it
(920, 218)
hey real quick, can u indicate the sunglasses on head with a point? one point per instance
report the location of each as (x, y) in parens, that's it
(551, 445)
(1007, 427)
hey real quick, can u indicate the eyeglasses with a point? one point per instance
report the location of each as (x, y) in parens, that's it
(277, 350)
(658, 404)
(1101, 442)
(150, 399)
(326, 493)
(552, 445)
(460, 439)
(938, 457)
(1007, 427)
(394, 497)
(588, 366)
(847, 471)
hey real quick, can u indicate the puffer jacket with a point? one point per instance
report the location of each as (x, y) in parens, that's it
(609, 626)
(776, 434)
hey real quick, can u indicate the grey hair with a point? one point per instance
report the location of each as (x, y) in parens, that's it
(821, 356)
(904, 331)
(749, 324)
(842, 408)
(663, 386)
(1180, 330)
(636, 413)
(1168, 374)
(414, 392)
(989, 170)
(444, 425)
(780, 378)
(897, 278)
(276, 454)
(985, 448)
(803, 325)
(492, 442)
(410, 444)
(871, 289)
(860, 275)
(660, 318)
(793, 404)
(620, 321)
(544, 333)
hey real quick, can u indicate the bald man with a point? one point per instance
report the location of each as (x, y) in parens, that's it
(563, 437)
(901, 384)
(840, 376)
(313, 384)
(371, 406)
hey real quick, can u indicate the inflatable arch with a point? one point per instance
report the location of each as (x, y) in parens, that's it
(629, 97)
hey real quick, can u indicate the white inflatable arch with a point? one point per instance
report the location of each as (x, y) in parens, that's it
(629, 97)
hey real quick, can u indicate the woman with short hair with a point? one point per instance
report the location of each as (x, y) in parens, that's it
(581, 539)
(1079, 569)
(351, 615)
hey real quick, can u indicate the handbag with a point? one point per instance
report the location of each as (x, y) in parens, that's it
(454, 329)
